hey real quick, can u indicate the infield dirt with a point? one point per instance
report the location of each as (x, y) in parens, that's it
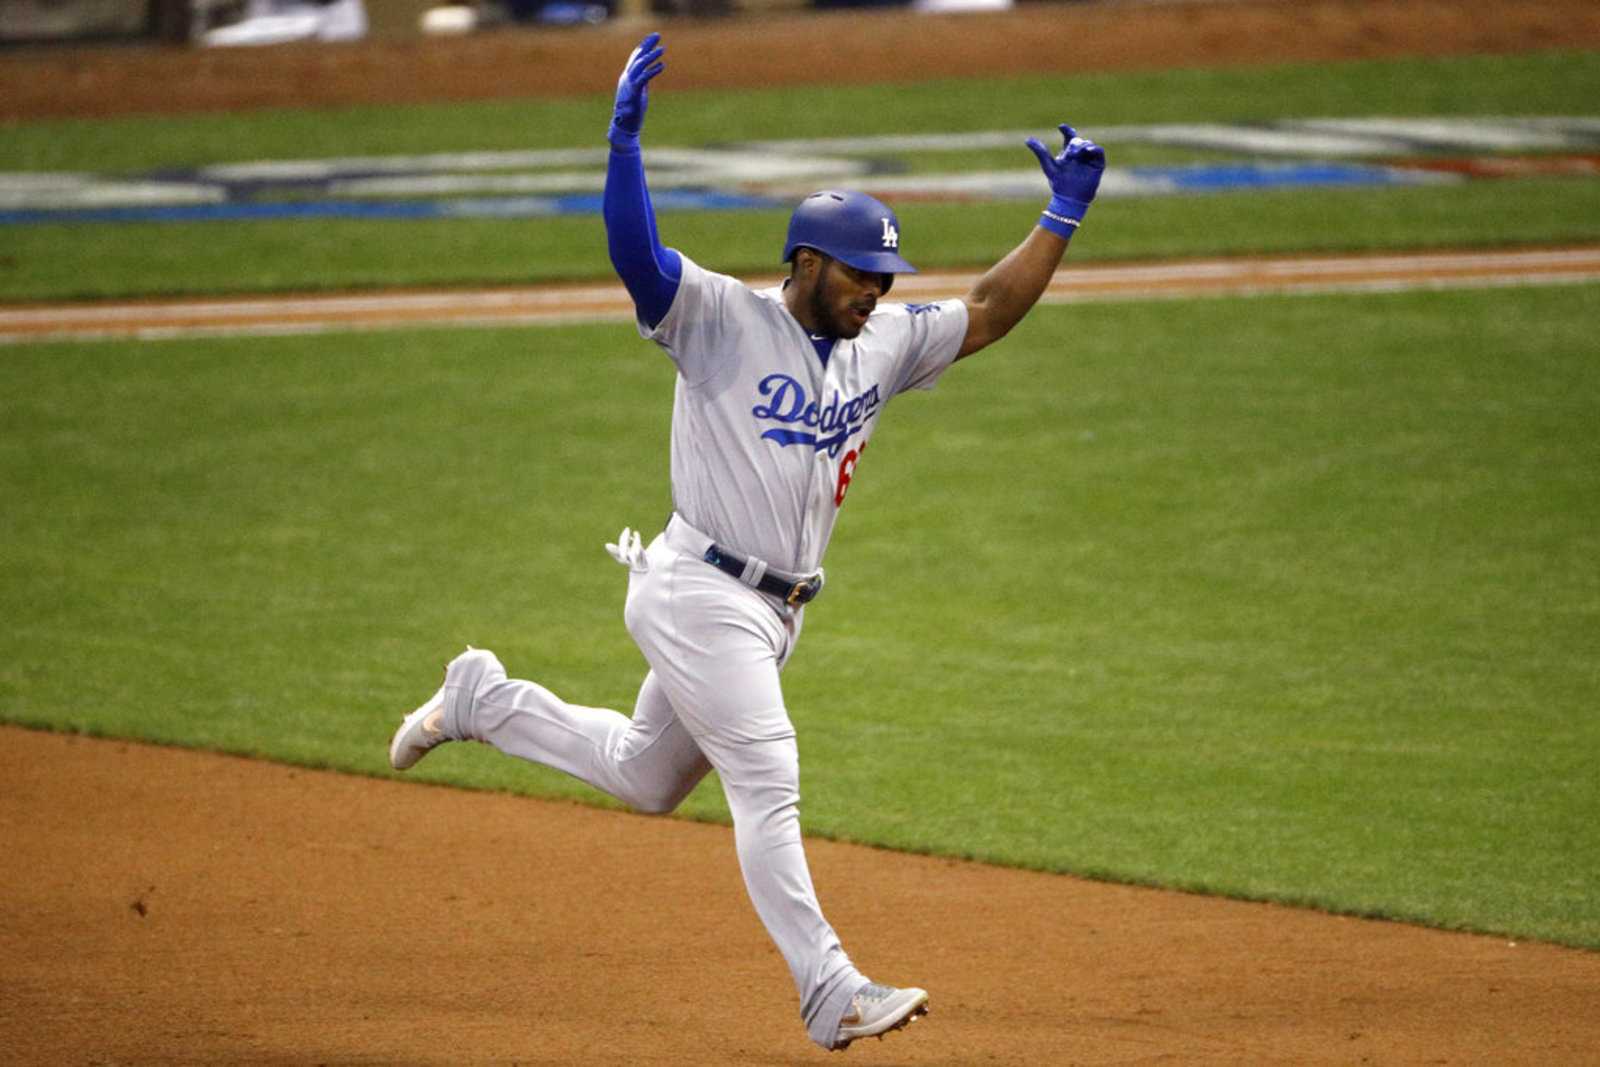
(164, 906)
(790, 49)
(180, 907)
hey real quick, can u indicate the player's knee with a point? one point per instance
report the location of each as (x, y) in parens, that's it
(662, 800)
(654, 805)
(764, 804)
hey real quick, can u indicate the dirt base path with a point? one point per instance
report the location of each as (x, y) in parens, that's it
(791, 49)
(546, 304)
(166, 906)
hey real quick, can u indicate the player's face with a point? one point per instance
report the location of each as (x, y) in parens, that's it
(844, 297)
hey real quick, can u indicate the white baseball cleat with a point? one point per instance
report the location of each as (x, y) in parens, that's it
(419, 733)
(878, 1009)
(423, 730)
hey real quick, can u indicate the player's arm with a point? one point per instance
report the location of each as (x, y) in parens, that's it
(650, 272)
(1011, 287)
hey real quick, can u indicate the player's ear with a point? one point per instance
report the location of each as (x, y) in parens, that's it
(808, 262)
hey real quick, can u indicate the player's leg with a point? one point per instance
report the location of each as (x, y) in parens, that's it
(718, 657)
(761, 780)
(649, 762)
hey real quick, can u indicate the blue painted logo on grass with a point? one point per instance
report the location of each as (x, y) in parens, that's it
(1288, 153)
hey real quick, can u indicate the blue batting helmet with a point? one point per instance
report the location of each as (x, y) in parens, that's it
(853, 228)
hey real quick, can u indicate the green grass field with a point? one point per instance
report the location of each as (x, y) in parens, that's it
(1283, 598)
(1287, 598)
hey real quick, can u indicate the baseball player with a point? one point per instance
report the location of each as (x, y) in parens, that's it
(778, 392)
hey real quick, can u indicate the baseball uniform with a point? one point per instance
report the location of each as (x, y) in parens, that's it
(764, 434)
(777, 393)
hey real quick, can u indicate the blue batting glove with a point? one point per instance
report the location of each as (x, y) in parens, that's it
(633, 94)
(1074, 177)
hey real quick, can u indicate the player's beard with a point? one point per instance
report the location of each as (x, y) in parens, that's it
(826, 313)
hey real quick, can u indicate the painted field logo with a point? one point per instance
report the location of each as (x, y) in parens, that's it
(828, 427)
(1302, 153)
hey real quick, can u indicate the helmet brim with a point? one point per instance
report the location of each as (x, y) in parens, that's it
(878, 262)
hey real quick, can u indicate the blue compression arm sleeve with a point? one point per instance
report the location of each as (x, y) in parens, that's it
(650, 272)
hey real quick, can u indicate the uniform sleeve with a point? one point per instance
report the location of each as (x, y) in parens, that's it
(693, 329)
(932, 336)
(649, 271)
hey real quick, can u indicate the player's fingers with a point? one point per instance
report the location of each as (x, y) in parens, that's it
(1046, 160)
(645, 76)
(627, 74)
(644, 62)
(1067, 133)
(1083, 150)
(641, 48)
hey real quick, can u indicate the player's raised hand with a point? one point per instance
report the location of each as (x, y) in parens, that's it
(633, 92)
(1074, 173)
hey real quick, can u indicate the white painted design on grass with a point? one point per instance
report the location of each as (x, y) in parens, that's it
(779, 170)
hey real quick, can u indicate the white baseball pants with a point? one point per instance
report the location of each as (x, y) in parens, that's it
(711, 700)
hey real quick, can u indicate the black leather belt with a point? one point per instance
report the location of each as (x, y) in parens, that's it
(794, 594)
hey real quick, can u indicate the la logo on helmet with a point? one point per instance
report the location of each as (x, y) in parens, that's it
(891, 236)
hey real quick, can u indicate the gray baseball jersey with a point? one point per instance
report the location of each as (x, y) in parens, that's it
(765, 437)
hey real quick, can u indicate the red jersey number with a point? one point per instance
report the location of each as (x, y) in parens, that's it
(847, 470)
